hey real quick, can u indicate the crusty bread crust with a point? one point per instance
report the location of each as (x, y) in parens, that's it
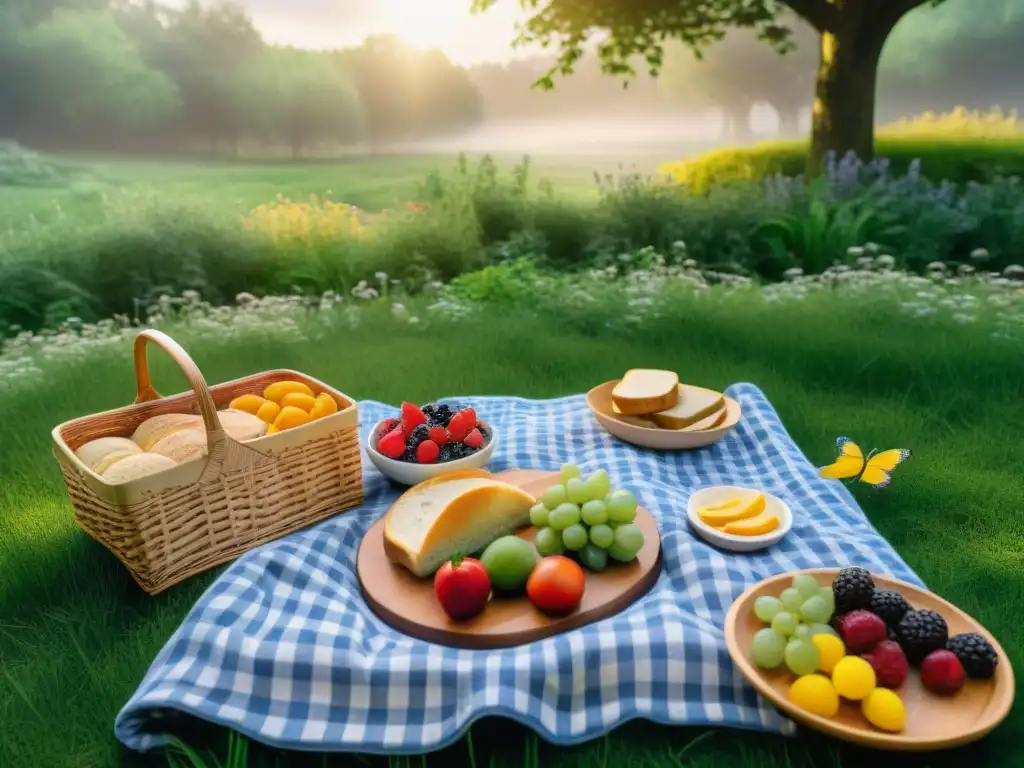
(650, 402)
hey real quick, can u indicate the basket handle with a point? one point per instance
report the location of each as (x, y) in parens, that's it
(224, 453)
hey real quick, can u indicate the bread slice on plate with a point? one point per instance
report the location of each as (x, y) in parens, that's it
(458, 512)
(645, 390)
(694, 405)
(712, 421)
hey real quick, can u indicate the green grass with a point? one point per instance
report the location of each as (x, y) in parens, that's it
(76, 635)
(371, 183)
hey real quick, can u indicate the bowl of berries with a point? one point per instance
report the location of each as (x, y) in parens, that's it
(421, 443)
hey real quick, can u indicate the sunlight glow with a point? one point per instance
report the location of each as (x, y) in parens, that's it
(440, 24)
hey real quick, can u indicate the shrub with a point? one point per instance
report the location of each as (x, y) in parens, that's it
(20, 167)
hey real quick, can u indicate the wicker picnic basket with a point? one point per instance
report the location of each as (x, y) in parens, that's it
(179, 522)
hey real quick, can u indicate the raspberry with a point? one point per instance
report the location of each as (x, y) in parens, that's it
(474, 439)
(388, 425)
(942, 672)
(392, 444)
(861, 631)
(412, 417)
(459, 427)
(438, 435)
(890, 664)
(427, 452)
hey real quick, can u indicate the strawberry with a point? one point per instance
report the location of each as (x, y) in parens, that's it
(392, 444)
(474, 439)
(412, 417)
(427, 452)
(890, 664)
(942, 672)
(470, 415)
(388, 425)
(459, 427)
(861, 631)
(438, 435)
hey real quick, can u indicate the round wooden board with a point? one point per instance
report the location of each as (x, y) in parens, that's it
(933, 721)
(408, 604)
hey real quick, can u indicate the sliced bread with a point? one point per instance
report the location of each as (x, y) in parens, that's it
(646, 390)
(694, 405)
(710, 422)
(458, 512)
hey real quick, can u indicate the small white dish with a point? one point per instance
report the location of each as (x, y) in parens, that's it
(407, 473)
(717, 494)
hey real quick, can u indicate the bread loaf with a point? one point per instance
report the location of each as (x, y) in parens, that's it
(183, 445)
(645, 390)
(136, 466)
(101, 453)
(154, 429)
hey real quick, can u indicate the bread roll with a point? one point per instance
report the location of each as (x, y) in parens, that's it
(136, 466)
(457, 512)
(183, 445)
(100, 453)
(154, 429)
(242, 426)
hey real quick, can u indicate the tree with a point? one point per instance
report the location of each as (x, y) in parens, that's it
(851, 36)
(300, 97)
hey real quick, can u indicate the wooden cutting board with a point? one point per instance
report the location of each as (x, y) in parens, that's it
(408, 603)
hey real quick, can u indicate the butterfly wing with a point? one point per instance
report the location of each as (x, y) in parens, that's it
(878, 470)
(849, 463)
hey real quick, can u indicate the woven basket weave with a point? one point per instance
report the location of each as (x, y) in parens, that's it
(174, 524)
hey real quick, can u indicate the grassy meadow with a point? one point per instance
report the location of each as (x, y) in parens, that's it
(890, 361)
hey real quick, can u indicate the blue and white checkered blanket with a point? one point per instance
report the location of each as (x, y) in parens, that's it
(283, 649)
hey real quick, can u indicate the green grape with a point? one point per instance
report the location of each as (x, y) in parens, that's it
(539, 515)
(594, 512)
(768, 648)
(564, 515)
(816, 611)
(792, 600)
(567, 472)
(629, 537)
(806, 585)
(574, 537)
(803, 631)
(784, 623)
(615, 552)
(598, 484)
(601, 536)
(576, 490)
(823, 629)
(802, 657)
(548, 542)
(553, 496)
(621, 506)
(766, 606)
(593, 558)
(826, 594)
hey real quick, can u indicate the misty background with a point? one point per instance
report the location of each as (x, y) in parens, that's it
(264, 78)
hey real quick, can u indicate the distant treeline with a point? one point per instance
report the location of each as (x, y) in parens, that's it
(136, 75)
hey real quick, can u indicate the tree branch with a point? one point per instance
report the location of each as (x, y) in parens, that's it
(820, 14)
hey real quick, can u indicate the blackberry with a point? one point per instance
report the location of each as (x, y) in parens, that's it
(890, 634)
(453, 451)
(889, 606)
(439, 415)
(853, 589)
(976, 654)
(921, 632)
(409, 455)
(419, 433)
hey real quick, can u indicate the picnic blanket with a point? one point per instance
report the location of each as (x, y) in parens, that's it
(283, 649)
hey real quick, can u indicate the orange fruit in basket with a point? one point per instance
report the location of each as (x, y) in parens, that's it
(248, 403)
(279, 389)
(298, 400)
(268, 411)
(325, 406)
(290, 417)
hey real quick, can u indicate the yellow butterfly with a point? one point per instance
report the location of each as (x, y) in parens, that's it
(875, 470)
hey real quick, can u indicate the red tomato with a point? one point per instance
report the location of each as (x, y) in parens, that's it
(462, 587)
(555, 584)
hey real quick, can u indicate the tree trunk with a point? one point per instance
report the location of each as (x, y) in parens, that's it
(843, 117)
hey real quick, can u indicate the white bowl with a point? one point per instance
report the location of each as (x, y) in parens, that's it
(407, 473)
(717, 494)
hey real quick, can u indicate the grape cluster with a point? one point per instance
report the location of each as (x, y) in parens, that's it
(587, 518)
(794, 617)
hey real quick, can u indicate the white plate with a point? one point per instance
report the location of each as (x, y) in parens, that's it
(407, 473)
(716, 494)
